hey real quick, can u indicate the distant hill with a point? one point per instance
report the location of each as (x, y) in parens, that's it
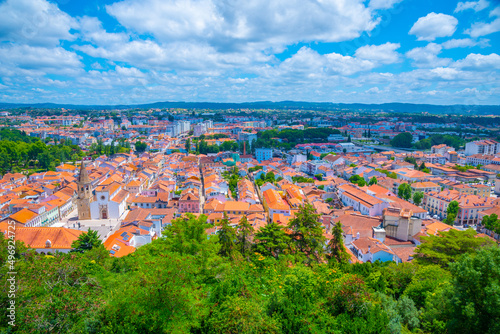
(283, 105)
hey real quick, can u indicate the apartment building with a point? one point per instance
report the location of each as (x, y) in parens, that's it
(469, 205)
(351, 195)
(482, 147)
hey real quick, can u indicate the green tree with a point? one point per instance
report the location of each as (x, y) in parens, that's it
(86, 241)
(270, 177)
(476, 291)
(426, 280)
(417, 197)
(272, 240)
(241, 314)
(188, 145)
(402, 140)
(307, 233)
(227, 238)
(373, 181)
(362, 182)
(336, 251)
(140, 146)
(187, 235)
(404, 191)
(492, 223)
(44, 160)
(451, 212)
(411, 160)
(171, 293)
(447, 247)
(355, 179)
(245, 232)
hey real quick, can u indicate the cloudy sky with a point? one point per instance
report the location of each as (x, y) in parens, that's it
(137, 51)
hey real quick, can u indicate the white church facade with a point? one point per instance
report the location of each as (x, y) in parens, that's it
(110, 201)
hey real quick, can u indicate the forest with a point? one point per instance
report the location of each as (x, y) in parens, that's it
(280, 279)
(19, 152)
(288, 138)
(404, 140)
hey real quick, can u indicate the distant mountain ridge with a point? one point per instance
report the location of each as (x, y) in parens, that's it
(282, 105)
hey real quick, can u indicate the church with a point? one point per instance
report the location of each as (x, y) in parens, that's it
(109, 201)
(84, 191)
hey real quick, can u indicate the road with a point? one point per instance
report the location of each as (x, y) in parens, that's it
(389, 148)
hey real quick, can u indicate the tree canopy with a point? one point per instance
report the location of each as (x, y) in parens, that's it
(447, 247)
(289, 280)
(404, 191)
(403, 140)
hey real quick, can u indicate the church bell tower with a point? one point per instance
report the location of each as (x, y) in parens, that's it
(84, 194)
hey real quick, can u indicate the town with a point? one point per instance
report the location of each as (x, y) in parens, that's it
(274, 167)
(127, 174)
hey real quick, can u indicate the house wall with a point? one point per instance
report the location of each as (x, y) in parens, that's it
(382, 256)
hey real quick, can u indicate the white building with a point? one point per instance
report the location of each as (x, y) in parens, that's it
(482, 147)
(336, 137)
(110, 201)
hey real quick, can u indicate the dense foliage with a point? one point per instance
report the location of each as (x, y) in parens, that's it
(203, 148)
(19, 151)
(288, 138)
(281, 279)
(438, 139)
(232, 177)
(402, 140)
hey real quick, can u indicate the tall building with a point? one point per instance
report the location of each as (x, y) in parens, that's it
(263, 154)
(482, 147)
(84, 194)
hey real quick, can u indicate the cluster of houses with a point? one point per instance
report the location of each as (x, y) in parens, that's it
(143, 193)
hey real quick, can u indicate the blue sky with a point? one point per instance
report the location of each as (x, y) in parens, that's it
(139, 51)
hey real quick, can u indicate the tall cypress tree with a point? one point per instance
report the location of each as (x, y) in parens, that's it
(227, 237)
(271, 240)
(336, 250)
(244, 233)
(307, 234)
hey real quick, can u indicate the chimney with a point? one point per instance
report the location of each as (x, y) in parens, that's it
(369, 249)
(357, 235)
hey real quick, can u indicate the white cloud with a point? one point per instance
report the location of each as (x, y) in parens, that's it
(36, 22)
(432, 26)
(465, 43)
(309, 64)
(427, 56)
(446, 73)
(91, 31)
(475, 5)
(383, 4)
(373, 90)
(217, 50)
(382, 54)
(240, 24)
(483, 28)
(478, 62)
(38, 60)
